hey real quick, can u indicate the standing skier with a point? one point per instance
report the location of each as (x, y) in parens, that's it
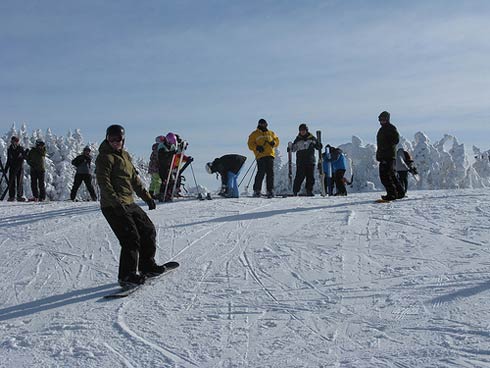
(339, 165)
(263, 143)
(15, 167)
(228, 167)
(35, 159)
(154, 168)
(387, 139)
(327, 169)
(404, 165)
(118, 179)
(83, 174)
(305, 145)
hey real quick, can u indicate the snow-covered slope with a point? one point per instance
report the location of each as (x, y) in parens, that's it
(294, 282)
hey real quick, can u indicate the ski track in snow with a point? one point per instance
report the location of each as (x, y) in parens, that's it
(293, 282)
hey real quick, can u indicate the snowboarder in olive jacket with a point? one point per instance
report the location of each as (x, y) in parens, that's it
(117, 179)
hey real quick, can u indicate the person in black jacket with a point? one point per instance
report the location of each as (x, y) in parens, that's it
(305, 145)
(387, 139)
(82, 163)
(15, 167)
(228, 167)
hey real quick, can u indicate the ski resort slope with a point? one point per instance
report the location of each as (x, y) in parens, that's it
(284, 282)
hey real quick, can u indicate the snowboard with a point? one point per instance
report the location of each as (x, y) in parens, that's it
(123, 293)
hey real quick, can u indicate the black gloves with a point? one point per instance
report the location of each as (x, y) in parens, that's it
(272, 143)
(413, 170)
(260, 149)
(151, 204)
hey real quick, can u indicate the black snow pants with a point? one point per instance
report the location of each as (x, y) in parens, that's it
(389, 179)
(265, 167)
(87, 179)
(137, 237)
(304, 171)
(339, 182)
(403, 177)
(16, 178)
(38, 186)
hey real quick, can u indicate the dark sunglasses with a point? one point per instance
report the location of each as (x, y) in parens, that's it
(115, 139)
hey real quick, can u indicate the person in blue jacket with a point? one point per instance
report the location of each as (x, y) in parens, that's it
(327, 169)
(339, 165)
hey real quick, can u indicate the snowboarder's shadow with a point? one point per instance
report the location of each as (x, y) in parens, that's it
(461, 293)
(34, 217)
(57, 301)
(264, 214)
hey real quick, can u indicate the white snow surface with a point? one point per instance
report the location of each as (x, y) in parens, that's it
(284, 282)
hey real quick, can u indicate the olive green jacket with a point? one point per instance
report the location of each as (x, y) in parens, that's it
(35, 158)
(117, 178)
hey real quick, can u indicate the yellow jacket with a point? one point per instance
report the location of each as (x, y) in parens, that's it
(267, 140)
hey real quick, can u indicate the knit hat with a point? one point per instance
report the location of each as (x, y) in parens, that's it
(303, 126)
(262, 122)
(385, 116)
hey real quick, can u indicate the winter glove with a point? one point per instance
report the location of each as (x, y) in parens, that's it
(260, 149)
(272, 143)
(151, 204)
(413, 170)
(190, 159)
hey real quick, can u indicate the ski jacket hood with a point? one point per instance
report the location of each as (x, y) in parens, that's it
(117, 178)
(268, 140)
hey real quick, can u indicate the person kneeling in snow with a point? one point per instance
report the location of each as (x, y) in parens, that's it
(228, 166)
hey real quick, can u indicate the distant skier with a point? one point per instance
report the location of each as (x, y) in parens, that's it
(228, 167)
(387, 138)
(15, 168)
(118, 179)
(327, 169)
(339, 165)
(305, 145)
(154, 168)
(263, 143)
(404, 165)
(83, 174)
(36, 160)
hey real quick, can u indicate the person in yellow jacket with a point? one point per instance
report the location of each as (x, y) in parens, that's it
(263, 143)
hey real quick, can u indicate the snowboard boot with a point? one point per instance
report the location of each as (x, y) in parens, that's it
(132, 280)
(11, 199)
(153, 271)
(270, 194)
(256, 194)
(388, 197)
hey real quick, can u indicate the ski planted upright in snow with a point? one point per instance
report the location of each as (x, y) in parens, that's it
(290, 165)
(123, 293)
(320, 165)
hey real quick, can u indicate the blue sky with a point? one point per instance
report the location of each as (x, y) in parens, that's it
(210, 69)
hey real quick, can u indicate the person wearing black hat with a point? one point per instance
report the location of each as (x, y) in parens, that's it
(263, 143)
(35, 159)
(387, 139)
(118, 180)
(82, 163)
(305, 145)
(15, 167)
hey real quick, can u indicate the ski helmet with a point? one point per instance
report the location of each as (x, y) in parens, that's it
(115, 130)
(171, 138)
(209, 167)
(384, 116)
(160, 139)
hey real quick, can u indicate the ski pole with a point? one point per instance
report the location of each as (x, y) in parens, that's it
(195, 181)
(251, 176)
(244, 176)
